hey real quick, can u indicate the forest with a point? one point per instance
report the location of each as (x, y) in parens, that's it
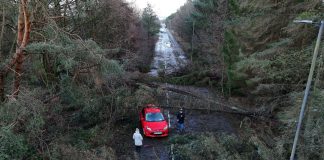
(74, 77)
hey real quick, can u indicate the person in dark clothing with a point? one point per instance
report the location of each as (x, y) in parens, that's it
(180, 119)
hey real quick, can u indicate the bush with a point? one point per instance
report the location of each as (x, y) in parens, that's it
(64, 151)
(208, 146)
(12, 146)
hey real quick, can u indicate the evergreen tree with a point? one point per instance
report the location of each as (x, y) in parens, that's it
(150, 21)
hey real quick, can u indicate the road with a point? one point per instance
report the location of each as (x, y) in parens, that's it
(196, 122)
(168, 57)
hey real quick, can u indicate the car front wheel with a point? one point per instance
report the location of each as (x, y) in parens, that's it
(144, 131)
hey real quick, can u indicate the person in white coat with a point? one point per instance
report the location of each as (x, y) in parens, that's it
(138, 139)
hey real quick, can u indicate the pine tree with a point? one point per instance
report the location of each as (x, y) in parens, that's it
(150, 21)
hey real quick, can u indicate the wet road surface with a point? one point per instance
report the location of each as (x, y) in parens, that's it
(168, 57)
(196, 122)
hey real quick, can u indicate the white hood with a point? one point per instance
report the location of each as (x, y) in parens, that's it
(137, 138)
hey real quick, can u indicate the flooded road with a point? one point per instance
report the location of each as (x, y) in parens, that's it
(168, 57)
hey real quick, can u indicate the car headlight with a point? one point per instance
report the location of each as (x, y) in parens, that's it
(148, 128)
(166, 127)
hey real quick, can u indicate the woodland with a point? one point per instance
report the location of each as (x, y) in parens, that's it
(254, 53)
(73, 76)
(68, 71)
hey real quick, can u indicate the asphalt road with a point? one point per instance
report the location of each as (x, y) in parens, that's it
(168, 57)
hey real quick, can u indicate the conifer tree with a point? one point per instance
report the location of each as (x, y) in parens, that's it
(150, 21)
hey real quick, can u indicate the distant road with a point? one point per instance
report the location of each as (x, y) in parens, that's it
(168, 57)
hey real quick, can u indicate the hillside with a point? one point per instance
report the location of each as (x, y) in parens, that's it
(67, 75)
(254, 53)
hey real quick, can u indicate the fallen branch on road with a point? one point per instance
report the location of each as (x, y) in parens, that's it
(223, 107)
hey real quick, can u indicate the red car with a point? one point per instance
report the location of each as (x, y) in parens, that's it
(153, 122)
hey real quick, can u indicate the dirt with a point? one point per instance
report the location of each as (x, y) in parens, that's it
(212, 122)
(155, 148)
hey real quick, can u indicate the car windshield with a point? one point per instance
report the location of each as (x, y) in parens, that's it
(154, 117)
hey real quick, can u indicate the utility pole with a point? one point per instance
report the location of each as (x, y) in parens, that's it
(192, 36)
(308, 85)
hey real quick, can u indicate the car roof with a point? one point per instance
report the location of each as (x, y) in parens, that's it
(152, 109)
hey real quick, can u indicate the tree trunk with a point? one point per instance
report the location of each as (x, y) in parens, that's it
(2, 83)
(2, 28)
(64, 12)
(24, 25)
(20, 31)
(15, 64)
(57, 7)
(48, 66)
